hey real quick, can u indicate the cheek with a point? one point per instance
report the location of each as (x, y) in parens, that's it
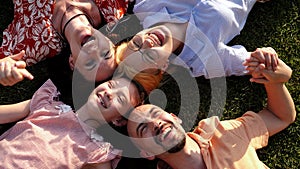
(116, 108)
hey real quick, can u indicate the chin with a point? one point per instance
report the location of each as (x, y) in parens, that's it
(178, 147)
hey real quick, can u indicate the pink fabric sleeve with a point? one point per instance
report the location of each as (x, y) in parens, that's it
(44, 95)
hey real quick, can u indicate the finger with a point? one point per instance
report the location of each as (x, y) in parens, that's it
(5, 74)
(2, 75)
(275, 61)
(261, 66)
(26, 74)
(7, 71)
(250, 68)
(268, 60)
(17, 76)
(2, 67)
(252, 59)
(271, 49)
(259, 80)
(20, 64)
(258, 54)
(254, 64)
(18, 56)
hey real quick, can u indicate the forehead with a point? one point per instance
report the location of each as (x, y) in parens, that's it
(143, 113)
(126, 86)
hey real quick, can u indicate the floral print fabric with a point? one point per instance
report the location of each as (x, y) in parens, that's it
(32, 30)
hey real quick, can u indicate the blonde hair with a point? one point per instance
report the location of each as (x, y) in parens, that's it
(149, 81)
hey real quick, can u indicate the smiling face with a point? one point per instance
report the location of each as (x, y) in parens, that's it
(155, 131)
(112, 99)
(93, 55)
(149, 50)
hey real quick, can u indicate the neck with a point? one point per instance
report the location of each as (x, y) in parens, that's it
(189, 157)
(70, 20)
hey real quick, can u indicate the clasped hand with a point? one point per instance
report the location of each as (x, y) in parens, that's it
(12, 70)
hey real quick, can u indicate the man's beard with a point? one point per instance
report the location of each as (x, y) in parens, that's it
(178, 146)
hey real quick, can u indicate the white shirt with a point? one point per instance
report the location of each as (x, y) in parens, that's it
(211, 25)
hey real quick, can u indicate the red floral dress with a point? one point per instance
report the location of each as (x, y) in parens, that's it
(32, 30)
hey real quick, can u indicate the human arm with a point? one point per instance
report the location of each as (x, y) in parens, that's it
(12, 70)
(14, 112)
(280, 111)
(236, 58)
(105, 165)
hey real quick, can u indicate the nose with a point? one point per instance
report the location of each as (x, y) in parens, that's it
(156, 126)
(108, 96)
(148, 43)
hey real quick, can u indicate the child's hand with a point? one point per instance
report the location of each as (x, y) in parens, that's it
(281, 75)
(12, 70)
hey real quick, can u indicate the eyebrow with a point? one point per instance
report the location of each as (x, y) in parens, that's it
(138, 128)
(142, 123)
(152, 110)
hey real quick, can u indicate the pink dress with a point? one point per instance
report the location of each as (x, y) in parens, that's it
(32, 30)
(52, 136)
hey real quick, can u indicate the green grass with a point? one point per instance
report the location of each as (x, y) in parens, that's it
(275, 24)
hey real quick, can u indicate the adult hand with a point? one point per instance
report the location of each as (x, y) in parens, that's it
(12, 70)
(281, 75)
(266, 55)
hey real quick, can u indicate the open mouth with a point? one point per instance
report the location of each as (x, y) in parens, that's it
(164, 132)
(87, 39)
(157, 38)
(101, 101)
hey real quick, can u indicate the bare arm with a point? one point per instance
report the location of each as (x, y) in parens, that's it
(106, 165)
(14, 112)
(280, 111)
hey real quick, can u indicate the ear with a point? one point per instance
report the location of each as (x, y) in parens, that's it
(71, 62)
(147, 155)
(176, 118)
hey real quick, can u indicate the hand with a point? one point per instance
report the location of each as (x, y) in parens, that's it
(281, 75)
(266, 55)
(12, 70)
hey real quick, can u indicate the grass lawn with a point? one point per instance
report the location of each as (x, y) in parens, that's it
(275, 24)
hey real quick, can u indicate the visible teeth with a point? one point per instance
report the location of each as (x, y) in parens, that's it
(101, 101)
(155, 39)
(90, 39)
(165, 133)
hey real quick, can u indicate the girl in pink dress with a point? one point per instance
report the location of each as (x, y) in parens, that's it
(49, 134)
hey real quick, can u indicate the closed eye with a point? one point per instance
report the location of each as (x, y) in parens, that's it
(106, 54)
(141, 128)
(91, 64)
(137, 45)
(122, 100)
(110, 84)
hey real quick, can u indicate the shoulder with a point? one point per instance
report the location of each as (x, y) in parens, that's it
(250, 127)
(45, 95)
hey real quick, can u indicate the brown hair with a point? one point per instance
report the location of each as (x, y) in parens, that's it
(149, 81)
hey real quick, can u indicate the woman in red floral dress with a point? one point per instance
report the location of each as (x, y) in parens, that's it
(42, 28)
